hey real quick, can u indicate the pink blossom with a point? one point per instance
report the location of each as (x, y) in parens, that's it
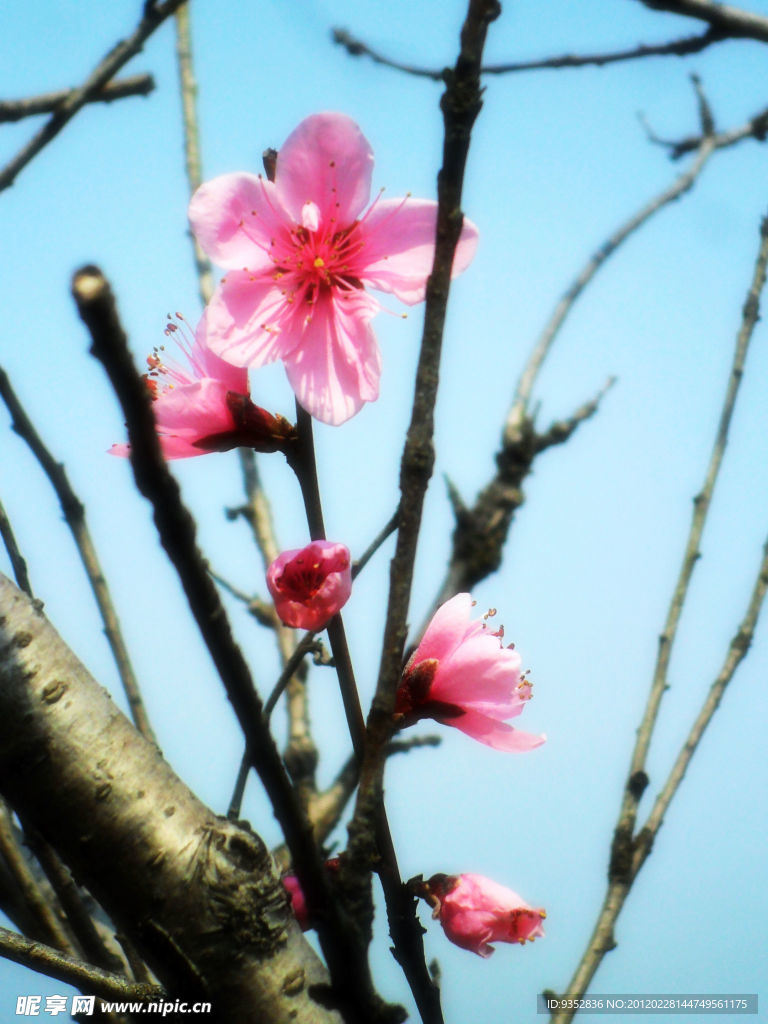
(309, 585)
(299, 252)
(202, 404)
(462, 675)
(475, 911)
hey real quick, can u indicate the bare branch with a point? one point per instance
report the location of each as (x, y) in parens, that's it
(47, 924)
(49, 103)
(74, 514)
(460, 103)
(675, 48)
(153, 15)
(737, 651)
(18, 564)
(481, 531)
(195, 893)
(55, 964)
(188, 90)
(732, 22)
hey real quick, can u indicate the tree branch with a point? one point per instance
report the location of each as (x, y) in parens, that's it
(153, 15)
(195, 893)
(18, 565)
(70, 970)
(49, 103)
(675, 48)
(732, 22)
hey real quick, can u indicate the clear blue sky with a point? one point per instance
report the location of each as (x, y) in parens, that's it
(558, 160)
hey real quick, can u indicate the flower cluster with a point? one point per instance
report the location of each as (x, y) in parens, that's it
(300, 252)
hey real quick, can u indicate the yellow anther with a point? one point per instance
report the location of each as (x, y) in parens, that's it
(319, 262)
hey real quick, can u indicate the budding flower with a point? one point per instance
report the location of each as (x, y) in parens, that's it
(475, 911)
(309, 585)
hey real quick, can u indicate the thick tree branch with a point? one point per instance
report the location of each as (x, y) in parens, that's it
(74, 515)
(675, 48)
(49, 103)
(196, 893)
(153, 15)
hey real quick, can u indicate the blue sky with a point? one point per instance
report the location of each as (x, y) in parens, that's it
(558, 160)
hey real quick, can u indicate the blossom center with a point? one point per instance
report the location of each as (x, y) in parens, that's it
(316, 262)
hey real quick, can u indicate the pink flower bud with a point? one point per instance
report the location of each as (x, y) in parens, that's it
(462, 675)
(309, 585)
(475, 911)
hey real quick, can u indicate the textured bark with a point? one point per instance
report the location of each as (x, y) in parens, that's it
(196, 893)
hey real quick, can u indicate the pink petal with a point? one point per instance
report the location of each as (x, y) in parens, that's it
(493, 733)
(335, 367)
(249, 322)
(446, 629)
(482, 675)
(400, 247)
(235, 217)
(194, 410)
(327, 161)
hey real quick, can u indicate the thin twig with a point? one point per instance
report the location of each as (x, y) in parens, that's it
(49, 103)
(481, 531)
(629, 850)
(188, 90)
(344, 955)
(18, 564)
(47, 960)
(705, 145)
(676, 48)
(737, 651)
(47, 923)
(72, 902)
(153, 15)
(74, 514)
(360, 563)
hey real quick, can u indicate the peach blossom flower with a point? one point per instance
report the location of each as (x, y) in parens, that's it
(299, 252)
(202, 404)
(309, 585)
(462, 675)
(475, 911)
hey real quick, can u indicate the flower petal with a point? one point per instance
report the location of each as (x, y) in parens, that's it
(482, 675)
(327, 161)
(400, 246)
(235, 217)
(335, 367)
(248, 321)
(446, 630)
(493, 733)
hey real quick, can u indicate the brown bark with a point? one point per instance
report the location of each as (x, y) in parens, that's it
(196, 893)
